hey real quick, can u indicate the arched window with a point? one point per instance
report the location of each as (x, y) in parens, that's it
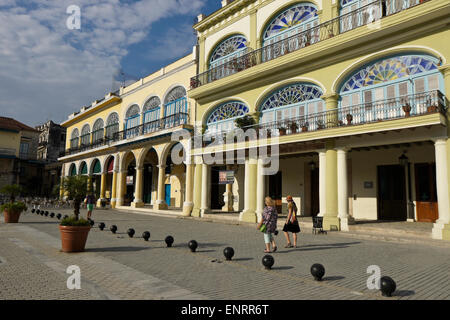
(74, 140)
(73, 170)
(83, 169)
(392, 79)
(295, 102)
(222, 117)
(232, 47)
(151, 113)
(355, 13)
(97, 131)
(112, 125)
(293, 21)
(132, 121)
(175, 108)
(85, 135)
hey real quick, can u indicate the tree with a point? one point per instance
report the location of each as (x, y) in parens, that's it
(13, 190)
(76, 188)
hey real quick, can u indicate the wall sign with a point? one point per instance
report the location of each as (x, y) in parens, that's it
(226, 177)
(368, 184)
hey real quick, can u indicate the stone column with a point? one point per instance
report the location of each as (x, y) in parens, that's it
(121, 187)
(160, 202)
(205, 189)
(441, 228)
(330, 218)
(251, 172)
(343, 214)
(322, 183)
(197, 187)
(114, 189)
(189, 201)
(260, 190)
(102, 189)
(138, 203)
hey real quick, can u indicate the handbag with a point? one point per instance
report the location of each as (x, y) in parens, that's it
(263, 228)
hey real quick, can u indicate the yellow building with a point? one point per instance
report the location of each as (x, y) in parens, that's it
(353, 93)
(124, 141)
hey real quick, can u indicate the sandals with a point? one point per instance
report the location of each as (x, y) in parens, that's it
(289, 246)
(265, 251)
(274, 249)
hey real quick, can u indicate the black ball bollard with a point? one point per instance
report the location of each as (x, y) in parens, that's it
(146, 235)
(193, 245)
(387, 286)
(46, 213)
(113, 228)
(318, 271)
(130, 232)
(169, 240)
(52, 215)
(66, 216)
(268, 261)
(228, 252)
(101, 226)
(42, 213)
(91, 222)
(38, 211)
(58, 216)
(33, 210)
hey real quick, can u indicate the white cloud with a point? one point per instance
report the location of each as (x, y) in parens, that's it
(48, 71)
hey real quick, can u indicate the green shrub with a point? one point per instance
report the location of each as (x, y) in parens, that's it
(14, 207)
(73, 221)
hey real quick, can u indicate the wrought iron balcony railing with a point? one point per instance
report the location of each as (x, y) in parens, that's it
(346, 22)
(145, 128)
(382, 110)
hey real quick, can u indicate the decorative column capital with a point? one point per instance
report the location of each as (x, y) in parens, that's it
(162, 166)
(330, 97)
(445, 69)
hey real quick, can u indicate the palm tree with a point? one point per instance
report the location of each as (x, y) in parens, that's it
(76, 188)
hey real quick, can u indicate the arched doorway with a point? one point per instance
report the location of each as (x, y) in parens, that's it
(130, 179)
(109, 178)
(96, 172)
(150, 176)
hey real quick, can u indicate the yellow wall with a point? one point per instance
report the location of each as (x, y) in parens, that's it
(10, 140)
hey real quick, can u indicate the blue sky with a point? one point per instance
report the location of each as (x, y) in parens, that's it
(48, 71)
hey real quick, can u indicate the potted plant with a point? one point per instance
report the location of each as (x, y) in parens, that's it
(349, 118)
(245, 122)
(305, 126)
(320, 124)
(407, 109)
(74, 231)
(294, 127)
(282, 130)
(12, 209)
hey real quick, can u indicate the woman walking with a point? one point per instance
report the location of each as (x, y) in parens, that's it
(291, 224)
(90, 201)
(269, 219)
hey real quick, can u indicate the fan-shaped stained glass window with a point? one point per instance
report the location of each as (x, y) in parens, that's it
(175, 94)
(292, 94)
(113, 118)
(228, 110)
(75, 133)
(229, 46)
(83, 168)
(85, 130)
(152, 103)
(73, 170)
(388, 70)
(289, 18)
(98, 124)
(132, 111)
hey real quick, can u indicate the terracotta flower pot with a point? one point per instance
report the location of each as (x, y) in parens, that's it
(11, 217)
(73, 239)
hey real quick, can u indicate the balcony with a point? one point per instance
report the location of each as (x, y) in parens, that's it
(141, 130)
(382, 110)
(329, 29)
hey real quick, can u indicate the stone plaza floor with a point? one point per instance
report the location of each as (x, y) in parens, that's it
(115, 266)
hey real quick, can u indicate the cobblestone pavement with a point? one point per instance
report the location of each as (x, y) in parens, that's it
(115, 266)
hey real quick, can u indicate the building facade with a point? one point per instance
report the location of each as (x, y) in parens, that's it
(124, 141)
(353, 96)
(52, 142)
(18, 156)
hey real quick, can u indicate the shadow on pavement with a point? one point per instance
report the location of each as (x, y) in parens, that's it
(116, 249)
(242, 259)
(282, 268)
(404, 293)
(333, 278)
